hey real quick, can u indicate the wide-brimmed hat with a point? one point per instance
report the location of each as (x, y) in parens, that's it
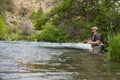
(95, 28)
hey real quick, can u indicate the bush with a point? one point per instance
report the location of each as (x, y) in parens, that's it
(41, 21)
(3, 30)
(114, 48)
(51, 33)
(36, 15)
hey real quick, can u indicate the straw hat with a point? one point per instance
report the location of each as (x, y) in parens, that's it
(95, 28)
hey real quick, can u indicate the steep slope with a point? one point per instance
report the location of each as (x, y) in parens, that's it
(23, 10)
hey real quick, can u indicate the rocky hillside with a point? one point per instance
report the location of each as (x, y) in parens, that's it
(24, 8)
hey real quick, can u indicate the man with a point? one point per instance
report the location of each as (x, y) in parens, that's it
(95, 38)
(95, 41)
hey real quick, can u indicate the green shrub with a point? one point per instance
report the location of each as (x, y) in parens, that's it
(3, 30)
(36, 15)
(114, 48)
(51, 33)
(41, 21)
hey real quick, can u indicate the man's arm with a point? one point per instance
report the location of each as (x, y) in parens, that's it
(93, 42)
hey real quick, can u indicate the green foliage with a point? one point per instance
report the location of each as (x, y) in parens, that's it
(65, 6)
(76, 17)
(43, 19)
(52, 33)
(36, 15)
(85, 14)
(114, 48)
(13, 33)
(3, 30)
(107, 17)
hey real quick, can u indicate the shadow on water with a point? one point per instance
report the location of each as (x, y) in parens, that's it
(29, 61)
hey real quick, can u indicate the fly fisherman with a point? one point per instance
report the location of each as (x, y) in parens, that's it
(95, 41)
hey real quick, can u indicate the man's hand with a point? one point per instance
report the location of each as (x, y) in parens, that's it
(85, 41)
(92, 42)
(89, 42)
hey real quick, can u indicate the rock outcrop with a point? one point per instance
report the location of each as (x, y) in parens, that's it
(23, 10)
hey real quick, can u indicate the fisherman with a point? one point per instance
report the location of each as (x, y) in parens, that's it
(95, 41)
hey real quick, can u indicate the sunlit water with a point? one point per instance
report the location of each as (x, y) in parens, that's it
(33, 61)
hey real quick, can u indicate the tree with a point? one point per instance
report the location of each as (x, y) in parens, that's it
(52, 33)
(76, 17)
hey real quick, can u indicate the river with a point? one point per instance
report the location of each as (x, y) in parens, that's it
(21, 60)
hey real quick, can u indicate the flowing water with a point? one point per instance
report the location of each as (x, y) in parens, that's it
(29, 61)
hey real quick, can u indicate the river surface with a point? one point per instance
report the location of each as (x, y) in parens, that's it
(29, 61)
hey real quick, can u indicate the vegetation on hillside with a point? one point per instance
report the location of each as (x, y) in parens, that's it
(51, 33)
(73, 18)
(76, 17)
(3, 29)
(6, 5)
(12, 32)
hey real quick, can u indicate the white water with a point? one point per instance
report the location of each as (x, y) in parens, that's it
(67, 45)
